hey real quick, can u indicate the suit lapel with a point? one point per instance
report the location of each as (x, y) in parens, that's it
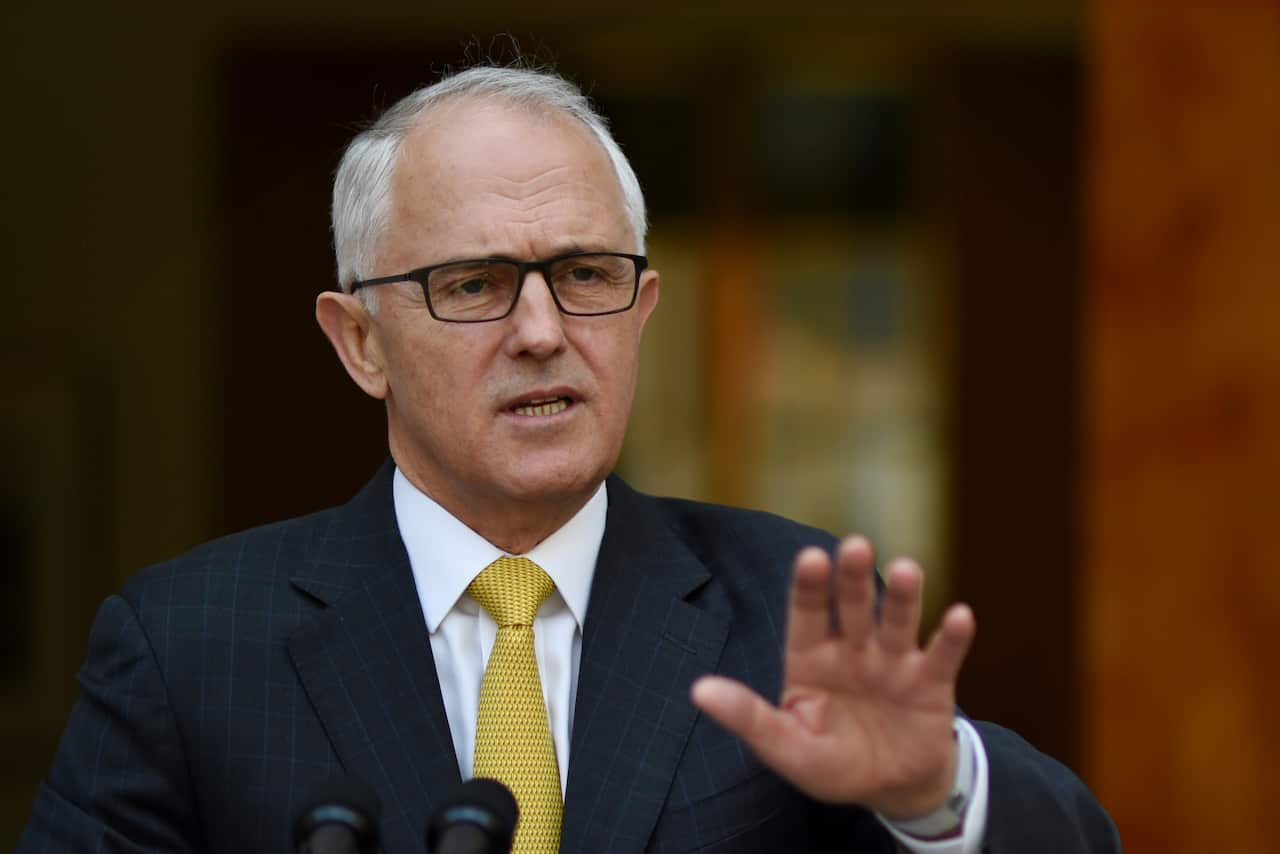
(643, 645)
(365, 662)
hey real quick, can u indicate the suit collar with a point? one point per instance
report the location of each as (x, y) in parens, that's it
(359, 542)
(446, 555)
(643, 645)
(365, 663)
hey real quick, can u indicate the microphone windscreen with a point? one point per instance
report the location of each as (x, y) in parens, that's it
(482, 802)
(339, 800)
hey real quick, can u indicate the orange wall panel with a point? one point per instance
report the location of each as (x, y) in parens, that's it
(1182, 426)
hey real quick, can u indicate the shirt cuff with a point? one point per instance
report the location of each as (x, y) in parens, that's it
(974, 826)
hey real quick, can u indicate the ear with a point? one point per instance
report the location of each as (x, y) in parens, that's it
(349, 329)
(647, 298)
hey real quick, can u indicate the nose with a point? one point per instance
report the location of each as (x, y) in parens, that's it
(537, 327)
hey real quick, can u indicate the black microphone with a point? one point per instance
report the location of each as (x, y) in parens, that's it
(339, 817)
(480, 818)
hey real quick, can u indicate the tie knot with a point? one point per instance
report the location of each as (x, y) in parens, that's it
(511, 589)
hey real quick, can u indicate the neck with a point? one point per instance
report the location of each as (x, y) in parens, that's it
(513, 525)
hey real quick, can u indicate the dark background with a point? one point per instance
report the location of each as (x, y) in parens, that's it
(165, 227)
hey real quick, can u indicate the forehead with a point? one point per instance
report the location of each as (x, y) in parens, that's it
(499, 177)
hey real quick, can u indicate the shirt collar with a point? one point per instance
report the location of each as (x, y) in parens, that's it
(446, 555)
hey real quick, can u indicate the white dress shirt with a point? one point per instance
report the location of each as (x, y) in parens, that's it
(446, 556)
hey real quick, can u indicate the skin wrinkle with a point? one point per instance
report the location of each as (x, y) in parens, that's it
(444, 118)
(514, 191)
(542, 198)
(521, 213)
(448, 387)
(551, 176)
(864, 723)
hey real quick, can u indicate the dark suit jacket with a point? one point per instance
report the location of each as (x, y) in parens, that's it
(221, 686)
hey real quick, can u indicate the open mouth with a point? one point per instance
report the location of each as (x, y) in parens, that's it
(542, 406)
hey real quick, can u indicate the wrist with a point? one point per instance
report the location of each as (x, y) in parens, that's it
(948, 818)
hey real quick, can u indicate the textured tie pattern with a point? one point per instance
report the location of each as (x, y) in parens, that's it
(513, 738)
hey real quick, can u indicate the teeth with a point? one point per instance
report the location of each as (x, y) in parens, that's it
(550, 406)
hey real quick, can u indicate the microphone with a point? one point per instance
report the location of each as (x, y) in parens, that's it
(480, 818)
(339, 817)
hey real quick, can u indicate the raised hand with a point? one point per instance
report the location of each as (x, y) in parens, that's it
(865, 715)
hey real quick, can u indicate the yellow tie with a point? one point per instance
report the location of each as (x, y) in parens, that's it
(513, 738)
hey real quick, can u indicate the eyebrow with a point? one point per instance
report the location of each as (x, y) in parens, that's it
(556, 252)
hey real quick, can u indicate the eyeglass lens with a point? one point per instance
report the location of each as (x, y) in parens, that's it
(480, 290)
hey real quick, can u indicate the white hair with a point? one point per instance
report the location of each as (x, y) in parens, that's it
(362, 186)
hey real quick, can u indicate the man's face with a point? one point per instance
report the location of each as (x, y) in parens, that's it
(477, 181)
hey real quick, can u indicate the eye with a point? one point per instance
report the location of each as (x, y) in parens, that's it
(584, 274)
(471, 287)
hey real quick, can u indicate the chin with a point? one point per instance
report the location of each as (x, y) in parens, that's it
(543, 483)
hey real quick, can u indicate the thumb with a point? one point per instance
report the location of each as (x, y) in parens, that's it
(742, 712)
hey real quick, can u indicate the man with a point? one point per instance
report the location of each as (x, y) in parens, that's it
(489, 236)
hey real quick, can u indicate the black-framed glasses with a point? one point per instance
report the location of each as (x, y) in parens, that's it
(582, 283)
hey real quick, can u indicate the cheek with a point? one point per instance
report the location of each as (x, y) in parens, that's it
(426, 373)
(615, 361)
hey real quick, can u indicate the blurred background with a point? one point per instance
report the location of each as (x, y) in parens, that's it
(994, 282)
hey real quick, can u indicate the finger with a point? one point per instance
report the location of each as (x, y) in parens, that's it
(855, 589)
(809, 618)
(766, 729)
(949, 645)
(900, 607)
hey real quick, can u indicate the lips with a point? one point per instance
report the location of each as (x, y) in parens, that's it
(542, 406)
(543, 402)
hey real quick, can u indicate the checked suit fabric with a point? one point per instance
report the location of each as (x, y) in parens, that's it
(221, 686)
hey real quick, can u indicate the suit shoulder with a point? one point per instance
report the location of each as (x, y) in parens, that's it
(716, 529)
(257, 556)
(723, 519)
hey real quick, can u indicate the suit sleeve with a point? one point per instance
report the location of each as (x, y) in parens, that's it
(1037, 804)
(119, 780)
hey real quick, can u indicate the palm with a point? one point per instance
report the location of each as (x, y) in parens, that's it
(865, 714)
